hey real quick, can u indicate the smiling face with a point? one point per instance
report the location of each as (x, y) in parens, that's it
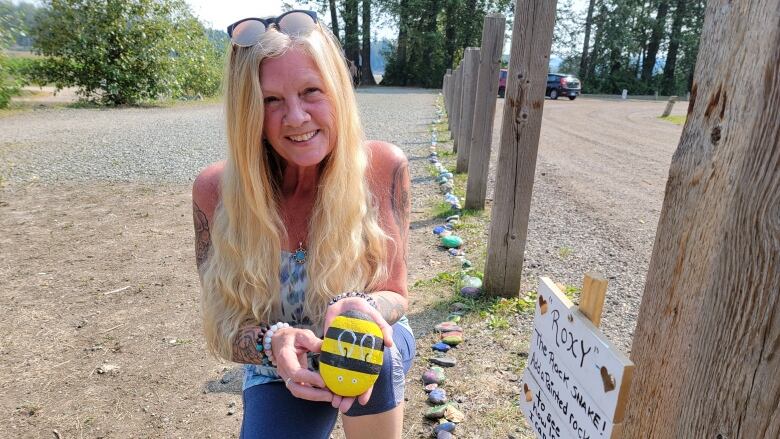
(299, 117)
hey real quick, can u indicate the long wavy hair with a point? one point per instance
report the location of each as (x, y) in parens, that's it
(346, 245)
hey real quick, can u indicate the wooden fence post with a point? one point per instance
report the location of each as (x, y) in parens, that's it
(456, 107)
(669, 105)
(484, 110)
(470, 72)
(522, 122)
(448, 91)
(707, 342)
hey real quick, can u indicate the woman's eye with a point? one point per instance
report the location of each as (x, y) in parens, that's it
(311, 90)
(270, 99)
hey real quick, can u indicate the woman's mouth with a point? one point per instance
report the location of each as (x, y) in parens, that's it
(303, 137)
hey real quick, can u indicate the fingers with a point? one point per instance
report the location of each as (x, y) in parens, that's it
(365, 396)
(306, 341)
(346, 403)
(336, 401)
(309, 393)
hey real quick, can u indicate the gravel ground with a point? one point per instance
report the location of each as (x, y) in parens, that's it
(599, 185)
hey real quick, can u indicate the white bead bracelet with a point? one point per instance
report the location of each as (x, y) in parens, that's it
(267, 340)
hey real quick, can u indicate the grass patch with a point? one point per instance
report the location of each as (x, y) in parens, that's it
(677, 120)
(564, 252)
(444, 278)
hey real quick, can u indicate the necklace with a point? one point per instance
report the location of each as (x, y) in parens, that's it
(300, 253)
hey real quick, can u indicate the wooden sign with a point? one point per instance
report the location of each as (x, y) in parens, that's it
(574, 373)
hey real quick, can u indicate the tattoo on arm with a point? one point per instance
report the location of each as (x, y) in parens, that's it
(399, 198)
(244, 347)
(391, 310)
(202, 234)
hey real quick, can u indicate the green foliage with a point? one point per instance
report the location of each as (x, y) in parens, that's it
(126, 51)
(675, 119)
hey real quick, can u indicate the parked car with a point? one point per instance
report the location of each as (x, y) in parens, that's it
(502, 75)
(560, 84)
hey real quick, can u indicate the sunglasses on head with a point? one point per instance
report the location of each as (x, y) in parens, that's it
(247, 32)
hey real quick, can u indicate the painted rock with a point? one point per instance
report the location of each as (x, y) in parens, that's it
(441, 180)
(470, 292)
(451, 198)
(466, 264)
(453, 414)
(449, 226)
(437, 396)
(446, 187)
(454, 318)
(458, 307)
(453, 222)
(441, 347)
(444, 435)
(444, 233)
(447, 175)
(449, 427)
(438, 229)
(452, 241)
(455, 252)
(453, 338)
(436, 412)
(455, 207)
(447, 327)
(453, 218)
(430, 387)
(433, 375)
(352, 354)
(444, 361)
(473, 282)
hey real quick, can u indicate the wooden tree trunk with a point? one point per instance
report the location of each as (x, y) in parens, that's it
(707, 344)
(367, 74)
(334, 20)
(522, 122)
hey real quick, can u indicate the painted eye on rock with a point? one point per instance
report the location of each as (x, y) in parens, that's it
(354, 380)
(341, 378)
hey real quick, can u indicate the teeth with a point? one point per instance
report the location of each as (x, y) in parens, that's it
(303, 137)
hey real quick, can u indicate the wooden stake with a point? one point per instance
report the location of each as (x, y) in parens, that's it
(594, 289)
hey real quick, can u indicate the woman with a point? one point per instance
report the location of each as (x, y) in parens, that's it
(302, 211)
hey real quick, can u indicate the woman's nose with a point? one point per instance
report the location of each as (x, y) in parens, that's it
(296, 114)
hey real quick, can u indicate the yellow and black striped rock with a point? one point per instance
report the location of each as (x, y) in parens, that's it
(352, 354)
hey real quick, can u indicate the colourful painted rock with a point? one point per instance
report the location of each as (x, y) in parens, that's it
(452, 338)
(453, 414)
(449, 427)
(430, 387)
(444, 361)
(470, 292)
(352, 354)
(438, 229)
(436, 412)
(452, 241)
(444, 435)
(433, 375)
(447, 326)
(473, 282)
(437, 396)
(454, 318)
(441, 347)
(466, 264)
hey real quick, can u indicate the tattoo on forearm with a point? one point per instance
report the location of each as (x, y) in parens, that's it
(244, 348)
(202, 234)
(399, 199)
(391, 310)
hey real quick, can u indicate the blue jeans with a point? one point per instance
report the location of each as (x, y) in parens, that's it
(271, 411)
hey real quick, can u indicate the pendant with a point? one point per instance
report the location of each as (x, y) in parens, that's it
(300, 254)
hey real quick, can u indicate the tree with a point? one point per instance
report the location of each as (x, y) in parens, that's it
(334, 19)
(668, 86)
(367, 75)
(126, 51)
(351, 30)
(656, 36)
(586, 41)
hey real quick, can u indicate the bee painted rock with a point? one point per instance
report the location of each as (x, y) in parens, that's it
(352, 354)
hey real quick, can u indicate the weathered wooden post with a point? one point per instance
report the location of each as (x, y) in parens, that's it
(707, 342)
(522, 122)
(447, 91)
(484, 110)
(456, 107)
(470, 72)
(669, 105)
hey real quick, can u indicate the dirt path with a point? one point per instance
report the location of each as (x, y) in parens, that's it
(98, 273)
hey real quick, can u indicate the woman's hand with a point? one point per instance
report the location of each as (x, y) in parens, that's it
(290, 346)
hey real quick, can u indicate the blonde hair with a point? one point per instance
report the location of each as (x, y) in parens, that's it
(346, 246)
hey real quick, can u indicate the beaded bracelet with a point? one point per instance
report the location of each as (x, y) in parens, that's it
(359, 294)
(259, 343)
(267, 340)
